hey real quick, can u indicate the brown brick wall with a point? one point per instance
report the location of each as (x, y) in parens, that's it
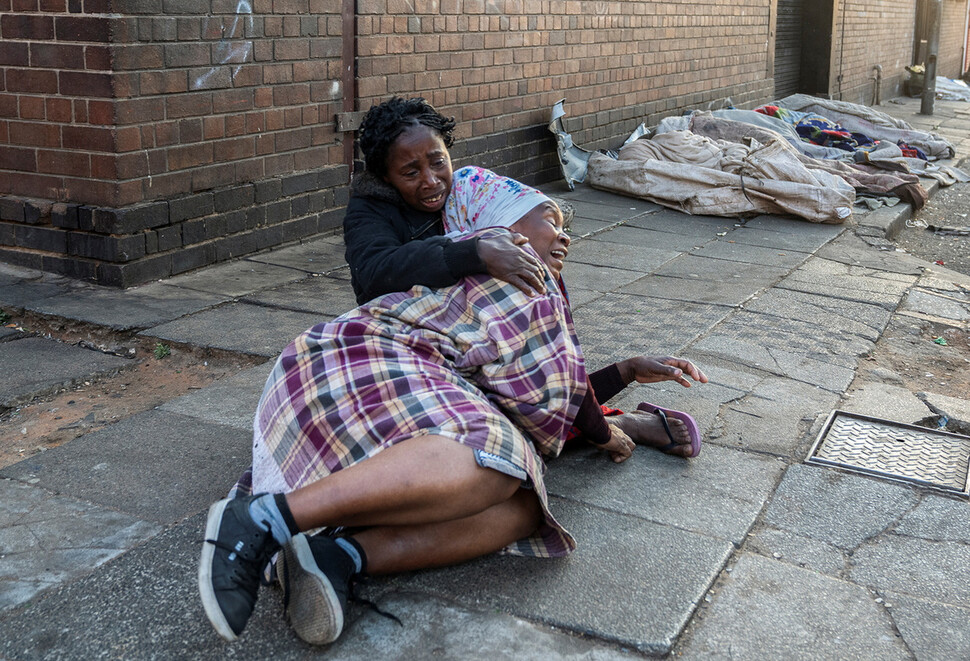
(499, 65)
(117, 116)
(952, 39)
(883, 33)
(125, 115)
(868, 34)
(164, 98)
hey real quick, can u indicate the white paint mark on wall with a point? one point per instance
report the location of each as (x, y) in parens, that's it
(231, 49)
(335, 89)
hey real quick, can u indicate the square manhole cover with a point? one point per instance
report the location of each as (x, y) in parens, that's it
(894, 450)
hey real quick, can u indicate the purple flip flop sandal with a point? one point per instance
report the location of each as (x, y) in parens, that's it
(692, 429)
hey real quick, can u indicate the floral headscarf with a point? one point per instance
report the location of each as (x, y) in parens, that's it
(480, 198)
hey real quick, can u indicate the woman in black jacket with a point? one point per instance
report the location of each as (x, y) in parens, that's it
(393, 224)
(393, 231)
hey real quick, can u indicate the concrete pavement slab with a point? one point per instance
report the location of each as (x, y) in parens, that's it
(619, 209)
(850, 249)
(320, 255)
(231, 401)
(630, 581)
(939, 279)
(957, 409)
(816, 370)
(127, 309)
(789, 225)
(579, 296)
(939, 571)
(47, 539)
(8, 334)
(35, 365)
(20, 287)
(157, 466)
(774, 417)
(882, 400)
(604, 253)
(750, 254)
(933, 631)
(618, 326)
(598, 278)
(325, 296)
(712, 271)
(236, 278)
(588, 194)
(943, 306)
(438, 629)
(778, 241)
(634, 236)
(937, 518)
(145, 605)
(848, 282)
(668, 220)
(837, 508)
(27, 294)
(786, 347)
(794, 549)
(252, 329)
(838, 316)
(670, 490)
(769, 610)
(718, 292)
(582, 227)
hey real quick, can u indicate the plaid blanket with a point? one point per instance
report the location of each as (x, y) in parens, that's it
(478, 362)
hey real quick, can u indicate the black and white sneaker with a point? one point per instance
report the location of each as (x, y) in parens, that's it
(235, 551)
(315, 573)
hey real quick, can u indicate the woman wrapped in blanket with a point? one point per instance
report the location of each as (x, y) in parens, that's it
(419, 420)
(401, 229)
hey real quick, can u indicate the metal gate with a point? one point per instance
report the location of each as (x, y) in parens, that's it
(788, 47)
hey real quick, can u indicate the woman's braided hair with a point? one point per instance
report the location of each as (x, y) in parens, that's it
(384, 123)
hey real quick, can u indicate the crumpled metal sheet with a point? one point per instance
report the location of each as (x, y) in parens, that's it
(573, 160)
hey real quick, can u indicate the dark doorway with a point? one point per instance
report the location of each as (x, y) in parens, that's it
(803, 47)
(788, 47)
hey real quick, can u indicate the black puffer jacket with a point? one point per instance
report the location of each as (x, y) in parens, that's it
(392, 247)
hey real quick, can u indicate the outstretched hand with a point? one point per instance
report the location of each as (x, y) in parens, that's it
(506, 260)
(620, 446)
(653, 369)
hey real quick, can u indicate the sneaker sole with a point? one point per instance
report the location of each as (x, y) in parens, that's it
(206, 591)
(313, 607)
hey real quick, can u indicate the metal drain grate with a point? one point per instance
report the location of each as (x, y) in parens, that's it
(895, 451)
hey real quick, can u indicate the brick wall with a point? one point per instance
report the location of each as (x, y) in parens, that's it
(125, 115)
(141, 138)
(499, 65)
(952, 38)
(870, 33)
(883, 33)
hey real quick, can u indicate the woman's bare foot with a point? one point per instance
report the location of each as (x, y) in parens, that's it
(647, 429)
